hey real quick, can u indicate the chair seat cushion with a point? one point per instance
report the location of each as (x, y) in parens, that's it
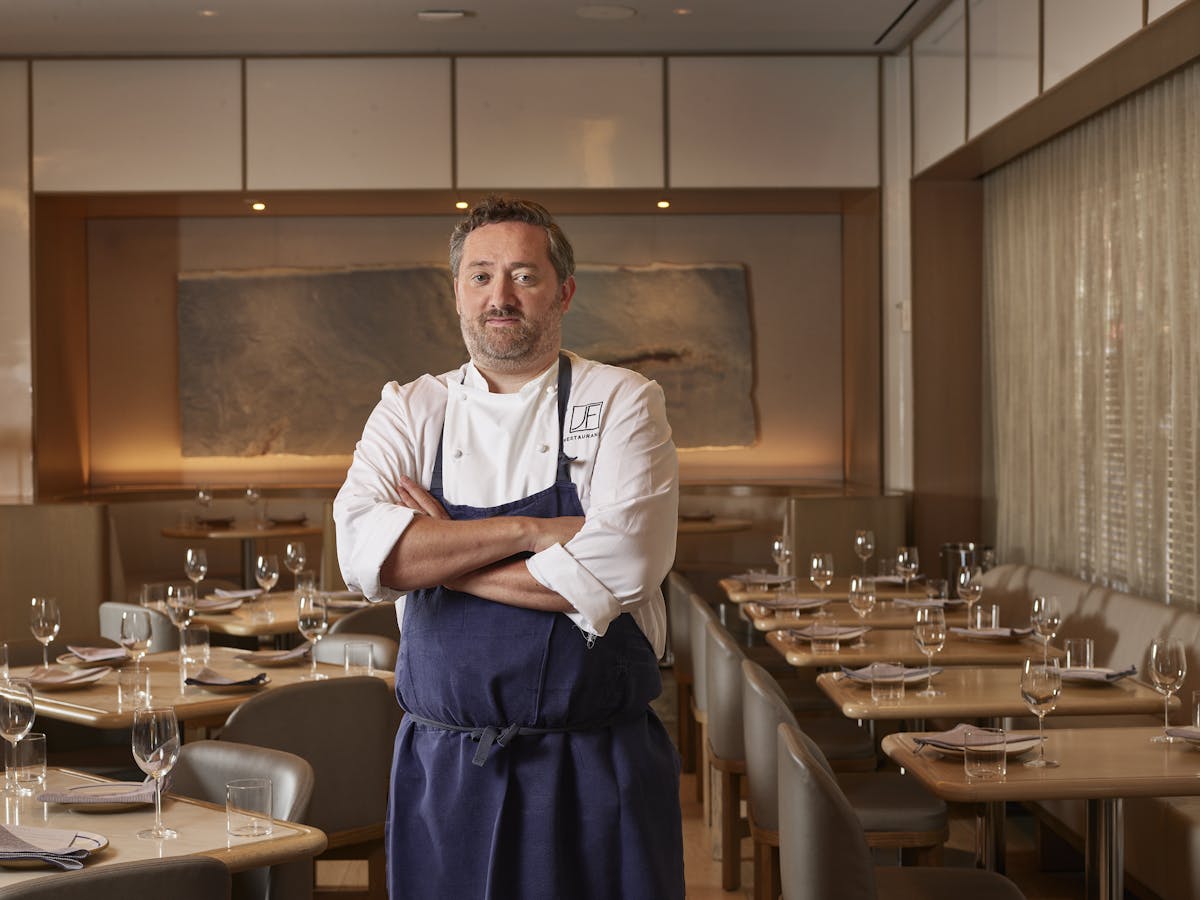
(926, 883)
(889, 801)
(838, 738)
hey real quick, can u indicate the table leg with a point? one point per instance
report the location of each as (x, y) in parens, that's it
(248, 561)
(989, 836)
(1105, 849)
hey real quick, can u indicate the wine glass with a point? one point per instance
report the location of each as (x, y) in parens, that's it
(266, 572)
(294, 558)
(969, 587)
(1041, 683)
(820, 570)
(781, 552)
(16, 718)
(1045, 618)
(253, 495)
(930, 635)
(195, 565)
(313, 620)
(862, 595)
(907, 564)
(864, 547)
(181, 606)
(155, 750)
(135, 633)
(44, 621)
(1168, 668)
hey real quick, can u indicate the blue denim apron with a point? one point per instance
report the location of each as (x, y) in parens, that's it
(529, 764)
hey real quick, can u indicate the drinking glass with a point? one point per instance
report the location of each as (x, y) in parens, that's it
(907, 564)
(864, 547)
(135, 633)
(252, 497)
(930, 635)
(313, 620)
(204, 496)
(181, 606)
(155, 750)
(16, 718)
(781, 552)
(1045, 618)
(266, 572)
(969, 586)
(820, 570)
(44, 621)
(862, 595)
(195, 565)
(1168, 668)
(294, 558)
(1041, 683)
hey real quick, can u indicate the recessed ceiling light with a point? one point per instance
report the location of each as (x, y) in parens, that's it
(604, 11)
(443, 15)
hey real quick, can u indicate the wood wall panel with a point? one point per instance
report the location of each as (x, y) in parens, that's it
(862, 340)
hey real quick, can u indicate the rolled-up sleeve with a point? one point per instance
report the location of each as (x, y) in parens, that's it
(627, 544)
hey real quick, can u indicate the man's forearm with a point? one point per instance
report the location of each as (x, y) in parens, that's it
(433, 551)
(510, 583)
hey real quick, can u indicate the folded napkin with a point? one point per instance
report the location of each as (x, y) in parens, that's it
(50, 676)
(763, 578)
(210, 676)
(792, 602)
(920, 603)
(217, 604)
(98, 654)
(843, 632)
(1081, 673)
(910, 673)
(1187, 732)
(993, 632)
(50, 845)
(956, 739)
(116, 792)
(264, 657)
(896, 579)
(236, 595)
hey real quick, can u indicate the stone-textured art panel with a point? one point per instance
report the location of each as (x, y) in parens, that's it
(292, 360)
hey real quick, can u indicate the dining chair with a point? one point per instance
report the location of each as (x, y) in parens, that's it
(378, 618)
(163, 635)
(345, 728)
(177, 878)
(699, 615)
(894, 811)
(332, 649)
(678, 618)
(824, 853)
(203, 770)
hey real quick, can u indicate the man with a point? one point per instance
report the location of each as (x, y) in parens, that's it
(526, 503)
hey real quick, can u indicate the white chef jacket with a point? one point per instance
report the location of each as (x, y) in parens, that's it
(503, 447)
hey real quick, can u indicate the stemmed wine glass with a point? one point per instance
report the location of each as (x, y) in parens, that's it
(1041, 683)
(195, 565)
(266, 573)
(294, 558)
(1045, 618)
(155, 750)
(864, 547)
(1168, 668)
(781, 552)
(908, 563)
(181, 606)
(820, 570)
(313, 620)
(44, 621)
(862, 595)
(135, 633)
(970, 589)
(252, 497)
(930, 635)
(16, 718)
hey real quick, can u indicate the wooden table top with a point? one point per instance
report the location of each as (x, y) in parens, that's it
(96, 705)
(241, 531)
(201, 828)
(258, 617)
(1094, 763)
(988, 692)
(739, 592)
(895, 645)
(886, 614)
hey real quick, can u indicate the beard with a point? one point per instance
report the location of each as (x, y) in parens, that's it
(511, 346)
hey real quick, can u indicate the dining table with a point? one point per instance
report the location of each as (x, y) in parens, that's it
(273, 614)
(1101, 766)
(251, 535)
(895, 645)
(201, 828)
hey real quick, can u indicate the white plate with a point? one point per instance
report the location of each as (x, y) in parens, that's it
(84, 678)
(211, 606)
(786, 602)
(1012, 747)
(74, 662)
(763, 578)
(912, 674)
(1096, 675)
(93, 842)
(844, 632)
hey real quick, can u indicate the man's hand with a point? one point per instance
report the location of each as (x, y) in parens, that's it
(548, 532)
(420, 500)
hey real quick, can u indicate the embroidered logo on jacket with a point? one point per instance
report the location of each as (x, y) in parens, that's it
(584, 421)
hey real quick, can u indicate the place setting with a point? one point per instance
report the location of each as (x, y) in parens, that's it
(87, 657)
(965, 737)
(1079, 668)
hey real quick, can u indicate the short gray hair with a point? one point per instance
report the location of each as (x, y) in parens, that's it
(493, 209)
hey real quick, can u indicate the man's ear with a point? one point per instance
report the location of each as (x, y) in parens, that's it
(566, 292)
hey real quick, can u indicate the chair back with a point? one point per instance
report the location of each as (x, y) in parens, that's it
(678, 613)
(180, 878)
(822, 848)
(723, 672)
(344, 727)
(700, 614)
(378, 618)
(332, 649)
(163, 635)
(331, 571)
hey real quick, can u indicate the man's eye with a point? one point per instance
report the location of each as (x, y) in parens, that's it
(524, 278)
(479, 278)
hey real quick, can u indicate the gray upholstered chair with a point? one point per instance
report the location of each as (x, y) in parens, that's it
(179, 878)
(378, 618)
(824, 853)
(203, 770)
(699, 615)
(332, 649)
(345, 728)
(678, 615)
(163, 635)
(894, 811)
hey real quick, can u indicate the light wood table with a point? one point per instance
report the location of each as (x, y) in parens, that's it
(201, 828)
(894, 645)
(886, 614)
(739, 592)
(1098, 765)
(250, 535)
(265, 617)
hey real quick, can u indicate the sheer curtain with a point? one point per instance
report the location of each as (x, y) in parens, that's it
(1092, 339)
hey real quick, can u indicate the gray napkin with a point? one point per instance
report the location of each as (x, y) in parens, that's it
(98, 654)
(53, 846)
(120, 792)
(263, 657)
(209, 676)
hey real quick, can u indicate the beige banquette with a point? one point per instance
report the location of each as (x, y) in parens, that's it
(1162, 835)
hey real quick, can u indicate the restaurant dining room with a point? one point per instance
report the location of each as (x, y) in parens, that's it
(866, 329)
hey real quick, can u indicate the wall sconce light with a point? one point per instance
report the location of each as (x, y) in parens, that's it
(461, 204)
(258, 206)
(663, 204)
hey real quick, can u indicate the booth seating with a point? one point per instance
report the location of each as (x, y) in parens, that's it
(1162, 834)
